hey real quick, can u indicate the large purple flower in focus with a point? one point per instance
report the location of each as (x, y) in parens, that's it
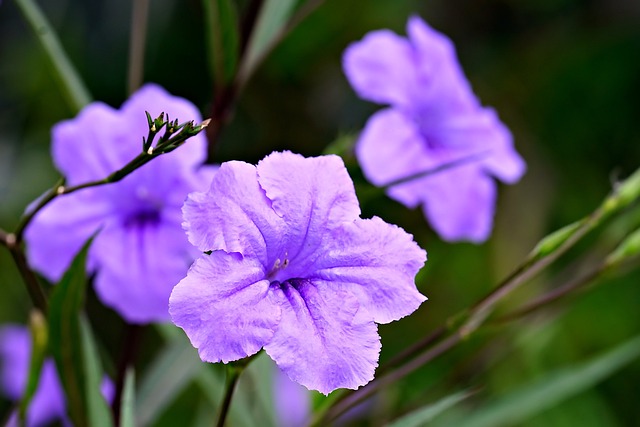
(434, 120)
(48, 402)
(141, 251)
(294, 270)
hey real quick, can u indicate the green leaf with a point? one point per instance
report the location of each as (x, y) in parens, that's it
(98, 410)
(65, 337)
(427, 413)
(39, 338)
(552, 389)
(177, 366)
(127, 415)
(273, 17)
(165, 379)
(222, 37)
(255, 390)
(68, 77)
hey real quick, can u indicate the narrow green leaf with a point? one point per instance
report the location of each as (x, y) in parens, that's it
(222, 37)
(422, 416)
(99, 413)
(39, 338)
(204, 415)
(127, 416)
(255, 390)
(552, 389)
(73, 87)
(273, 17)
(165, 379)
(65, 337)
(176, 367)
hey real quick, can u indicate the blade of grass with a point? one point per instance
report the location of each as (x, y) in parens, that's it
(127, 415)
(274, 15)
(422, 416)
(65, 336)
(553, 388)
(74, 89)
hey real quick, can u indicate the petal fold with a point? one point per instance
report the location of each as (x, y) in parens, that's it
(137, 267)
(311, 195)
(224, 307)
(377, 262)
(325, 340)
(234, 215)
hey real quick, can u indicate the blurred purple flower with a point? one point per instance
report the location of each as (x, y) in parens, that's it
(292, 401)
(295, 270)
(435, 120)
(141, 251)
(48, 403)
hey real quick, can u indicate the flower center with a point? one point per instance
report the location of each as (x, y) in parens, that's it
(142, 218)
(278, 266)
(294, 283)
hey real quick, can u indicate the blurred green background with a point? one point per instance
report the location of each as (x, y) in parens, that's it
(564, 75)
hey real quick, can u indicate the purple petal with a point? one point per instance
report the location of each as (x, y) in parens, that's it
(89, 147)
(310, 194)
(460, 203)
(325, 340)
(443, 85)
(377, 262)
(57, 232)
(233, 215)
(223, 305)
(390, 148)
(381, 68)
(137, 267)
(48, 402)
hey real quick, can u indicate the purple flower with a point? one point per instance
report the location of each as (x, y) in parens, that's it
(48, 403)
(141, 250)
(434, 119)
(294, 270)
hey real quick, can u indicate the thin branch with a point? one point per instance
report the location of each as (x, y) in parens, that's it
(33, 284)
(547, 251)
(7, 239)
(233, 373)
(365, 392)
(59, 189)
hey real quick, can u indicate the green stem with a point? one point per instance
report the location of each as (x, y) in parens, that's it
(547, 251)
(139, 18)
(59, 189)
(233, 373)
(74, 88)
(33, 285)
